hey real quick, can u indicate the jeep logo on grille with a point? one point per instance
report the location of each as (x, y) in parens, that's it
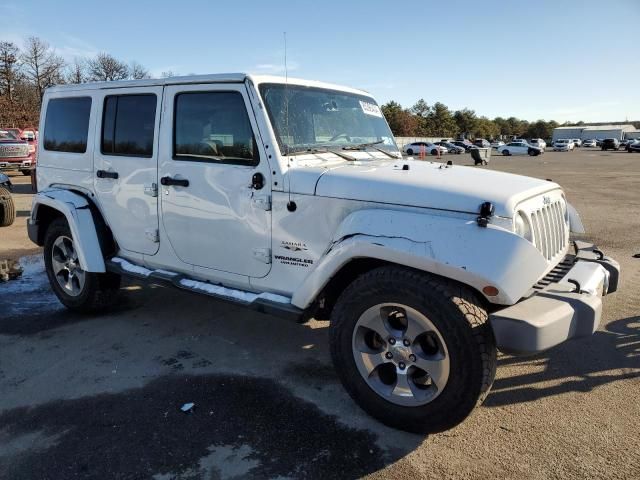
(546, 200)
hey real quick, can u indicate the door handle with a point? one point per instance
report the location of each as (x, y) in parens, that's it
(106, 174)
(166, 181)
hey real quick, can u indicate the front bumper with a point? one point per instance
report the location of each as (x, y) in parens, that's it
(17, 164)
(566, 304)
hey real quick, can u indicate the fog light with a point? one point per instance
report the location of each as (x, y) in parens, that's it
(490, 291)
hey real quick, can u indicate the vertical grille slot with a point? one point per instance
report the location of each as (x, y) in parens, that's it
(549, 229)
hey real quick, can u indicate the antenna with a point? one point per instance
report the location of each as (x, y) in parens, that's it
(286, 93)
(286, 114)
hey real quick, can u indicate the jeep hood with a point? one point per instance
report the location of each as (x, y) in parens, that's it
(423, 184)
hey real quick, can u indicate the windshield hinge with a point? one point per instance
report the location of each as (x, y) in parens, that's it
(262, 254)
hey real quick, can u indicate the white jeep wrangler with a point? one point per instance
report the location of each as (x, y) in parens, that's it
(292, 198)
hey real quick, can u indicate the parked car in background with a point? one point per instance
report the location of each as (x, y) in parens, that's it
(577, 142)
(497, 143)
(416, 148)
(633, 146)
(598, 142)
(482, 143)
(625, 142)
(15, 153)
(589, 143)
(610, 144)
(451, 147)
(563, 145)
(538, 142)
(519, 148)
(30, 135)
(464, 144)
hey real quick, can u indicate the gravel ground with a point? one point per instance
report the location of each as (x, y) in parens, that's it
(100, 396)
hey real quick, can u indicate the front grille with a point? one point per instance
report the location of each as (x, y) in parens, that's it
(14, 151)
(550, 233)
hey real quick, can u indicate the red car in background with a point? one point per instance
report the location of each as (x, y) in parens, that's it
(18, 149)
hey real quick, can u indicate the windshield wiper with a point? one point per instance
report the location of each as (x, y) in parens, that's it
(323, 149)
(363, 146)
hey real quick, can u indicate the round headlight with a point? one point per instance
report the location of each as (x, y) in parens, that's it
(523, 227)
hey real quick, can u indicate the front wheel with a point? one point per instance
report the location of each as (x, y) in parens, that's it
(505, 153)
(409, 152)
(413, 350)
(76, 289)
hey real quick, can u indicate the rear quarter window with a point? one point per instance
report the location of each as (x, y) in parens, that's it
(66, 125)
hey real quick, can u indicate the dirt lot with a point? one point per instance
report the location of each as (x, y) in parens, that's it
(99, 397)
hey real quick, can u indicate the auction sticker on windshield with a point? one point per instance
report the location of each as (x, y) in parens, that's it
(370, 109)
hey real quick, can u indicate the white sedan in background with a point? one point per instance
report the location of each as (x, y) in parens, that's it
(563, 145)
(519, 148)
(497, 144)
(589, 143)
(416, 148)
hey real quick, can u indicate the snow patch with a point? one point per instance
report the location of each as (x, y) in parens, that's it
(130, 267)
(30, 292)
(240, 295)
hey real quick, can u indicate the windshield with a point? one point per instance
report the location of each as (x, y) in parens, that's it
(306, 118)
(6, 135)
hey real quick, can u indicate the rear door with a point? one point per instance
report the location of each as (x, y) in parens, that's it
(215, 180)
(126, 166)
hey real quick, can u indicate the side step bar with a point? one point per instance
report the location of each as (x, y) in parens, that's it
(269, 303)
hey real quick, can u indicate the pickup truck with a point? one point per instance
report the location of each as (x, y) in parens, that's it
(16, 153)
(291, 197)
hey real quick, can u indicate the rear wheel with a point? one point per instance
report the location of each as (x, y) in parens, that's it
(413, 350)
(76, 289)
(7, 208)
(410, 151)
(434, 152)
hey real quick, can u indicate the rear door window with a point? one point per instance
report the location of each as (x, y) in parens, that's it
(128, 124)
(66, 124)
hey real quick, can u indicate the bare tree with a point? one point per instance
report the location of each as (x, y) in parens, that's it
(9, 68)
(106, 68)
(77, 71)
(42, 66)
(137, 71)
(167, 74)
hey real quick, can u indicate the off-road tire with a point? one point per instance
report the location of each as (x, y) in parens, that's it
(100, 289)
(455, 310)
(7, 208)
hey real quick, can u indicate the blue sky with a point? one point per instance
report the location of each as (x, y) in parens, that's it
(562, 60)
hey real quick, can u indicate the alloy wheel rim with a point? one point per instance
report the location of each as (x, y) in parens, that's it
(400, 354)
(66, 267)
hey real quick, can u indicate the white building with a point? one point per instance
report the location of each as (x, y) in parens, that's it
(586, 132)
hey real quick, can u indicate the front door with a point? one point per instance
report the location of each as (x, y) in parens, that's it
(126, 164)
(215, 180)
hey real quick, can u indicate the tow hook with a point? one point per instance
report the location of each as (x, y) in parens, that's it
(486, 212)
